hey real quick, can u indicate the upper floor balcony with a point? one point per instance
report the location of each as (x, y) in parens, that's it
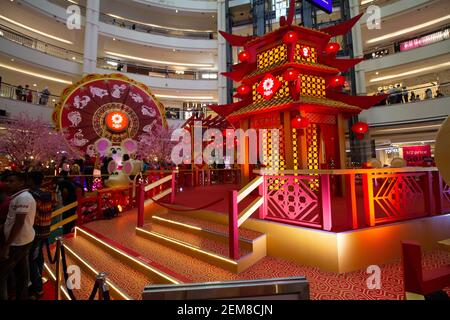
(16, 44)
(132, 30)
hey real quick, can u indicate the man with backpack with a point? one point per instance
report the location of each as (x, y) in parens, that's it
(42, 224)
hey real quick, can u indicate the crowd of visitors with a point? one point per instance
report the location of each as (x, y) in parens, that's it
(26, 94)
(400, 94)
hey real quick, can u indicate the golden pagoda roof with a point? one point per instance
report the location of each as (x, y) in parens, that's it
(275, 66)
(286, 101)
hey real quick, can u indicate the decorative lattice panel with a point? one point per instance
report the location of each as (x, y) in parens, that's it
(304, 53)
(398, 196)
(282, 92)
(312, 86)
(292, 201)
(272, 56)
(274, 159)
(321, 118)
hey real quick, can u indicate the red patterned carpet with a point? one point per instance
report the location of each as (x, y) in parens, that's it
(323, 285)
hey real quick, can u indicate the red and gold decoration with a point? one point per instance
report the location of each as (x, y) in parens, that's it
(113, 107)
(290, 70)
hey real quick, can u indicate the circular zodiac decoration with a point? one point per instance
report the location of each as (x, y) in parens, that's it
(112, 107)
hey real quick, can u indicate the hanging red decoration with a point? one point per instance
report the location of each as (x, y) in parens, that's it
(299, 122)
(360, 128)
(290, 37)
(290, 74)
(332, 48)
(243, 90)
(244, 56)
(268, 86)
(337, 81)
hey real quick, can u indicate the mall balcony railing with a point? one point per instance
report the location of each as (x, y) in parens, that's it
(33, 43)
(154, 29)
(417, 94)
(103, 63)
(27, 95)
(148, 70)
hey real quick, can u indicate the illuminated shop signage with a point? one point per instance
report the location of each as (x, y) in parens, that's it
(425, 40)
(325, 5)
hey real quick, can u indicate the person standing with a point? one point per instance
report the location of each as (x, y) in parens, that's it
(44, 96)
(42, 224)
(19, 92)
(69, 195)
(18, 235)
(28, 94)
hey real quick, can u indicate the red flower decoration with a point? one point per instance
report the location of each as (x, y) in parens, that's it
(268, 86)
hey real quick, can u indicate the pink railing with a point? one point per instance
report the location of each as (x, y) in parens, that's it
(337, 200)
(154, 191)
(236, 219)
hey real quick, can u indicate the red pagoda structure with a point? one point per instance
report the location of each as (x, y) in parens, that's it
(290, 80)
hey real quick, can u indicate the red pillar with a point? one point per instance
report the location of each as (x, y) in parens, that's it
(140, 197)
(233, 224)
(369, 207)
(326, 201)
(350, 197)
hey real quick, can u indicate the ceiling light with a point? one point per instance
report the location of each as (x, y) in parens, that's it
(176, 11)
(73, 58)
(114, 39)
(34, 74)
(363, 2)
(34, 85)
(155, 25)
(12, 60)
(377, 73)
(408, 30)
(159, 61)
(166, 96)
(411, 72)
(34, 30)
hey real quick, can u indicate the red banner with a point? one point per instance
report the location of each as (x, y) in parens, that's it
(416, 155)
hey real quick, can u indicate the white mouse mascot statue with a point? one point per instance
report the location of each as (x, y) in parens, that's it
(118, 169)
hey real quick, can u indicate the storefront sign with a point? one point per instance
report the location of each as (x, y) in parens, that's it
(415, 155)
(325, 5)
(425, 40)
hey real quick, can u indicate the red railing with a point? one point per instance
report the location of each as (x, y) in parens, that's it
(236, 219)
(152, 192)
(338, 200)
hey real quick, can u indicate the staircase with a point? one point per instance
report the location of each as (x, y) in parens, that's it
(204, 239)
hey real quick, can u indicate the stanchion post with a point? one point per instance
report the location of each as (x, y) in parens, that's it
(58, 268)
(103, 290)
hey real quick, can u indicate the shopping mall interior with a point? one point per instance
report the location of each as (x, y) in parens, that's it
(344, 102)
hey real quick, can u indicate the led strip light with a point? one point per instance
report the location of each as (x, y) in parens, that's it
(187, 246)
(170, 279)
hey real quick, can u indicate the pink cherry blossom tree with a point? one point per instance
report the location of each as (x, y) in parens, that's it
(156, 146)
(31, 142)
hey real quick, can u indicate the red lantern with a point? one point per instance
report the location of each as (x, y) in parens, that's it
(360, 128)
(332, 48)
(244, 56)
(290, 37)
(299, 122)
(243, 90)
(337, 81)
(290, 74)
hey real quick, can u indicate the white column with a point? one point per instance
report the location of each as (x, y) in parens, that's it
(91, 36)
(221, 52)
(360, 74)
